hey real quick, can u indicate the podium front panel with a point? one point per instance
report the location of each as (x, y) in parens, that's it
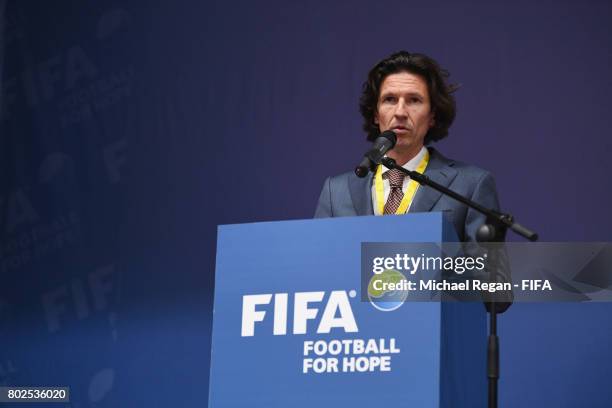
(290, 326)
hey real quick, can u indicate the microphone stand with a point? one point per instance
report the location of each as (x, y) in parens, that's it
(493, 230)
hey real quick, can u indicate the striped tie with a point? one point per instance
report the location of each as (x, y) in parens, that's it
(396, 181)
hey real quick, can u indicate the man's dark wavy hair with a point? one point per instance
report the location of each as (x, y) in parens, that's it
(440, 92)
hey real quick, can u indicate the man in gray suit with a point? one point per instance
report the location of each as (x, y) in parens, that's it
(409, 94)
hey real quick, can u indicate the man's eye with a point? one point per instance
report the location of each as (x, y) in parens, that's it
(389, 99)
(415, 100)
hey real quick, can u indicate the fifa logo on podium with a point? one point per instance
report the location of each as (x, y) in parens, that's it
(337, 312)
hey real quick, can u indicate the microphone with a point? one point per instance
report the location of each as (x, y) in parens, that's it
(383, 143)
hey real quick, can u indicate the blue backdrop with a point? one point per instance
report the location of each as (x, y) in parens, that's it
(130, 130)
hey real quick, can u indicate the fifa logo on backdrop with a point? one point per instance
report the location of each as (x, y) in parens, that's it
(337, 312)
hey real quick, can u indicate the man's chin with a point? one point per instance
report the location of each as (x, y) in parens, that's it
(405, 146)
(405, 149)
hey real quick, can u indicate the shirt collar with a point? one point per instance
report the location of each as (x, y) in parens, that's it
(412, 163)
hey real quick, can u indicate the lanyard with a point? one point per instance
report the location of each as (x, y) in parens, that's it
(410, 190)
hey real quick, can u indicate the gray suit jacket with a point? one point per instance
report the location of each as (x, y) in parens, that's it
(349, 195)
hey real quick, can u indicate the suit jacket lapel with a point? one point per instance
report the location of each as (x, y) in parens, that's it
(439, 169)
(361, 194)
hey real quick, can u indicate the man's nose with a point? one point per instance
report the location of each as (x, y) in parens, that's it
(401, 109)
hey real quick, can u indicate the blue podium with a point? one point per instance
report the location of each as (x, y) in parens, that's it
(290, 327)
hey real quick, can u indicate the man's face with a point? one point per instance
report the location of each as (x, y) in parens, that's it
(404, 107)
